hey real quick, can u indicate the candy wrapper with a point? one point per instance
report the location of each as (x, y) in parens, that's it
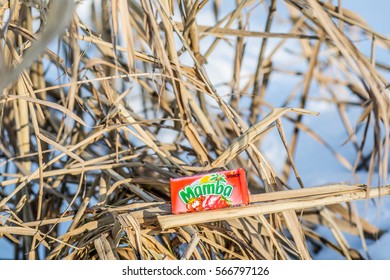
(209, 191)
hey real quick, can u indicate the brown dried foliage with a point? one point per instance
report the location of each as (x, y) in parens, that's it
(93, 128)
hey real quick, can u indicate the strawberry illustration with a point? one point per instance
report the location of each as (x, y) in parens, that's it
(215, 202)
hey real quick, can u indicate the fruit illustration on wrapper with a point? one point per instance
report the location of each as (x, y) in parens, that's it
(195, 204)
(215, 202)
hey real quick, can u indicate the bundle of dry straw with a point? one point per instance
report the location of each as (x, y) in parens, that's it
(98, 113)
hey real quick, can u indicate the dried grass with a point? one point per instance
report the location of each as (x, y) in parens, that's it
(92, 132)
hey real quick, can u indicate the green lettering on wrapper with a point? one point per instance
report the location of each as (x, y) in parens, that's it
(186, 194)
(218, 187)
(208, 188)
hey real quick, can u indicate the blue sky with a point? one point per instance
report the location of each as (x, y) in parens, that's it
(375, 12)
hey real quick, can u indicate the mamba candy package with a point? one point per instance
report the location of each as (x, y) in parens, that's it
(209, 191)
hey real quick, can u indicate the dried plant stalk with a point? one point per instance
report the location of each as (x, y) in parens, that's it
(101, 106)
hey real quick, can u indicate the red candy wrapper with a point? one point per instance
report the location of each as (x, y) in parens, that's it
(209, 191)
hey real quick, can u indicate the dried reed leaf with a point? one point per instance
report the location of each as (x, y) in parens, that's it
(169, 221)
(242, 142)
(133, 231)
(104, 248)
(119, 103)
